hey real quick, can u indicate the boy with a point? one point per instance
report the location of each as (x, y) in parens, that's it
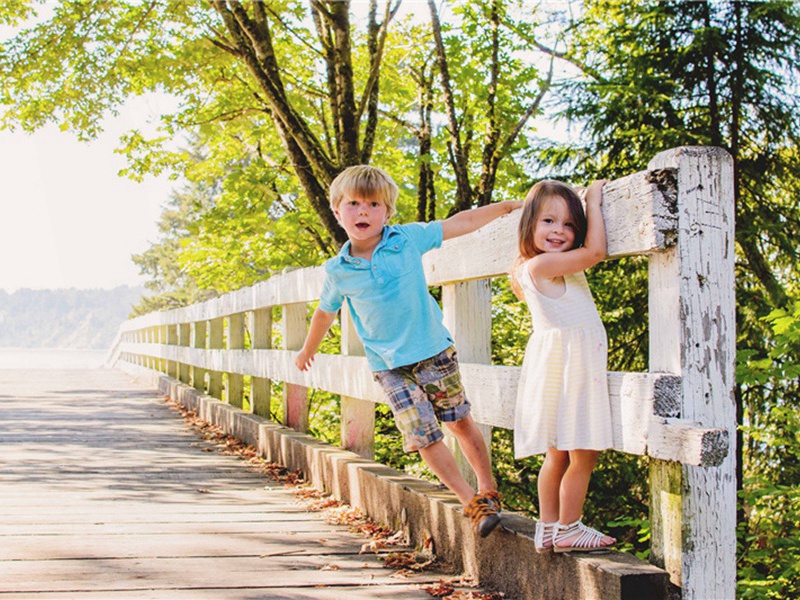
(379, 274)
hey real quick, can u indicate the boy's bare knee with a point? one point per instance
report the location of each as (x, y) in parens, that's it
(461, 426)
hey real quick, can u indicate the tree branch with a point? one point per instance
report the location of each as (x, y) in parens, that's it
(457, 152)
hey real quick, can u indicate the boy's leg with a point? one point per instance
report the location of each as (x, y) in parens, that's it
(412, 391)
(440, 460)
(474, 448)
(481, 510)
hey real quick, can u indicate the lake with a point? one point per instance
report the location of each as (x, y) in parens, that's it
(51, 358)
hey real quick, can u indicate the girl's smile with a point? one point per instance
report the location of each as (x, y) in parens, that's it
(555, 231)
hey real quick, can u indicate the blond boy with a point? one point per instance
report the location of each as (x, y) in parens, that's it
(378, 273)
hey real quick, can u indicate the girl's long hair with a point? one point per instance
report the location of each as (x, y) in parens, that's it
(531, 208)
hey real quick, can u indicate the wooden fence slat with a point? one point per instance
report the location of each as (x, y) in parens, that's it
(235, 388)
(467, 308)
(216, 340)
(198, 373)
(262, 339)
(295, 397)
(358, 415)
(184, 333)
(635, 397)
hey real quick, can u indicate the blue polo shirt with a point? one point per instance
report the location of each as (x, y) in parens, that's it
(395, 316)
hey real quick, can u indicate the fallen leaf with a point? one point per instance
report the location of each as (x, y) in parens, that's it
(373, 546)
(440, 589)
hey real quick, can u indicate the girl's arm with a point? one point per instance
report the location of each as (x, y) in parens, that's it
(468, 221)
(320, 323)
(558, 264)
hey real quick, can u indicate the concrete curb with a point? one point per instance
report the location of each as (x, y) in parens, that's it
(505, 561)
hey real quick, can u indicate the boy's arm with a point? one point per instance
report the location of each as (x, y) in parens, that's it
(468, 221)
(320, 323)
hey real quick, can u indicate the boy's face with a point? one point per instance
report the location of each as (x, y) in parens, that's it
(362, 218)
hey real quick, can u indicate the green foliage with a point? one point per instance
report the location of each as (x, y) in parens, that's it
(769, 550)
(661, 74)
(768, 544)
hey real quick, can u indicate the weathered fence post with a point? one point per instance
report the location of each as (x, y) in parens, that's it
(161, 338)
(216, 337)
(199, 374)
(172, 340)
(235, 342)
(184, 333)
(262, 340)
(146, 337)
(467, 308)
(358, 416)
(295, 397)
(693, 334)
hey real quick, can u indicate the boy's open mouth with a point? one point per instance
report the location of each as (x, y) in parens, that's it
(362, 225)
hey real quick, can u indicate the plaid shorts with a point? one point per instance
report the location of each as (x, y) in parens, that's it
(422, 394)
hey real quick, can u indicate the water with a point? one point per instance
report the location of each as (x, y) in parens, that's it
(51, 358)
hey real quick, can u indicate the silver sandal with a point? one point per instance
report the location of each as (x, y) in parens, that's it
(584, 539)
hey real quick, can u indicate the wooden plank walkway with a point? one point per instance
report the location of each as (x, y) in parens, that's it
(105, 493)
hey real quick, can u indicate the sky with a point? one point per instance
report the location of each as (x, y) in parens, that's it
(67, 219)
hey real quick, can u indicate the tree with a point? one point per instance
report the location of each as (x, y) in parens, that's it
(274, 62)
(487, 40)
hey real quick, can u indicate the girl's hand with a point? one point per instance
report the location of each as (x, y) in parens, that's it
(595, 192)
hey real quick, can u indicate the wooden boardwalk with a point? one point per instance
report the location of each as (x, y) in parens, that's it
(105, 493)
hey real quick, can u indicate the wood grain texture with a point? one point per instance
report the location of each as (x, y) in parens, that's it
(104, 493)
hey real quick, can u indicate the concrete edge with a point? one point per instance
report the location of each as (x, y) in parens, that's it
(428, 514)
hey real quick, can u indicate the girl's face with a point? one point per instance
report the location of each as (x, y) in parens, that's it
(554, 230)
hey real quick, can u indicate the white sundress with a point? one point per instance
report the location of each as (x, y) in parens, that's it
(562, 399)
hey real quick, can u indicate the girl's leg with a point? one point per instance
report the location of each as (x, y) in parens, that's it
(549, 483)
(574, 486)
(473, 446)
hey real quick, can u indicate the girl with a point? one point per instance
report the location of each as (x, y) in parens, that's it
(562, 405)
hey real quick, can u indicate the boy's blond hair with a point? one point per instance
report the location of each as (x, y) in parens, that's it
(364, 181)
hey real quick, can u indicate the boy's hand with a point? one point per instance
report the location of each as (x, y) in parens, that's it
(303, 360)
(469, 220)
(594, 193)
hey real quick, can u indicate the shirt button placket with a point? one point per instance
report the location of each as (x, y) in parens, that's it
(377, 273)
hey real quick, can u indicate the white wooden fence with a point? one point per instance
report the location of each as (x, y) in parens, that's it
(678, 212)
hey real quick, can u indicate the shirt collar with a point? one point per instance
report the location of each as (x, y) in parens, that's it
(344, 253)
